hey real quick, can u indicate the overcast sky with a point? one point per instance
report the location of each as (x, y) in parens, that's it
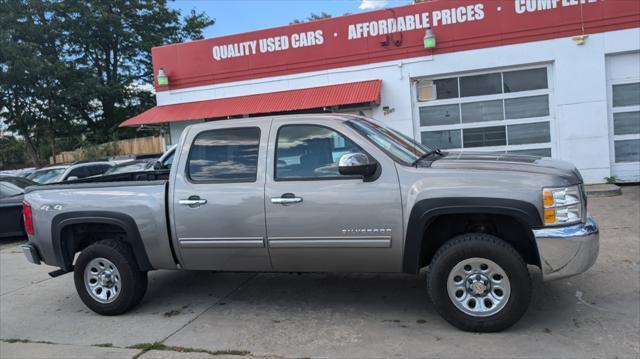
(236, 16)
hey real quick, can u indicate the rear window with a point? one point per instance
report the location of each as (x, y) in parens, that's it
(226, 155)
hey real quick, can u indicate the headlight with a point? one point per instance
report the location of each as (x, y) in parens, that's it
(562, 205)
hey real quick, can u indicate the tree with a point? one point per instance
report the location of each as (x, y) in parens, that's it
(312, 17)
(78, 68)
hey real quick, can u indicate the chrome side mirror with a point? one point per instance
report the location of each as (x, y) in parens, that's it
(356, 164)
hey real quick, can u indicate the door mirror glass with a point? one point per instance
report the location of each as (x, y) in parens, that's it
(356, 163)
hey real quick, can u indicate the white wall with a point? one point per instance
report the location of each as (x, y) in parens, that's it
(580, 131)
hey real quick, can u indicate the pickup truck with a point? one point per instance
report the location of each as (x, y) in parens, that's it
(322, 193)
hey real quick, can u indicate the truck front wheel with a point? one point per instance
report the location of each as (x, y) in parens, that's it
(479, 283)
(107, 278)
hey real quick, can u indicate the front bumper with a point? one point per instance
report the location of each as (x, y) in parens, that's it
(567, 251)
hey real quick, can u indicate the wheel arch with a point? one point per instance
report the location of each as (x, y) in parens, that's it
(65, 221)
(426, 212)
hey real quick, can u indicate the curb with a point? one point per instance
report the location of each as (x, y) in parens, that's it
(603, 190)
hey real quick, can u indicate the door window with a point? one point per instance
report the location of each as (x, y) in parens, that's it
(227, 155)
(95, 170)
(79, 172)
(309, 152)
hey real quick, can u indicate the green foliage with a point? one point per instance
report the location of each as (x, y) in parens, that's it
(72, 70)
(145, 347)
(611, 179)
(11, 153)
(312, 17)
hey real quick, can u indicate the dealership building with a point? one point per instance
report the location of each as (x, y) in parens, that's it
(557, 78)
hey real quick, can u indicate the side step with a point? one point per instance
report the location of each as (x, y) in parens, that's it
(59, 272)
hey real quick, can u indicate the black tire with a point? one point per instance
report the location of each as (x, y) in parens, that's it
(479, 245)
(133, 281)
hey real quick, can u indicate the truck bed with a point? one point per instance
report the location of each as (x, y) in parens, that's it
(138, 197)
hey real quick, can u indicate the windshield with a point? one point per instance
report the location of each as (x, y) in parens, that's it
(398, 146)
(129, 167)
(47, 175)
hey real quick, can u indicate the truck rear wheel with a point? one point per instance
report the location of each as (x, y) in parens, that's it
(107, 278)
(479, 283)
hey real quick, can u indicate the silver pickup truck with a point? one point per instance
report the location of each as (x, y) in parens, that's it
(322, 193)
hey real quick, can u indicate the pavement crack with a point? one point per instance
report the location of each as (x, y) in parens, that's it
(26, 286)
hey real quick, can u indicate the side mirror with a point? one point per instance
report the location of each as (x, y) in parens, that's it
(157, 165)
(356, 164)
(72, 178)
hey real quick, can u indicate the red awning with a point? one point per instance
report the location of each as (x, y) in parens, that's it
(282, 101)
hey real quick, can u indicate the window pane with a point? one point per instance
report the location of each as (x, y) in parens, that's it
(627, 150)
(625, 123)
(540, 152)
(310, 152)
(525, 107)
(225, 155)
(529, 133)
(480, 85)
(482, 111)
(446, 88)
(525, 80)
(441, 139)
(439, 115)
(484, 136)
(626, 95)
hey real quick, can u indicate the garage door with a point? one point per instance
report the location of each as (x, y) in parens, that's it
(623, 88)
(497, 111)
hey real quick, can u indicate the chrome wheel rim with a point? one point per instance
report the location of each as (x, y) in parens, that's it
(102, 280)
(478, 287)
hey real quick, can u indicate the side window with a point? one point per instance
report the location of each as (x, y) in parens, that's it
(308, 151)
(228, 155)
(98, 169)
(79, 172)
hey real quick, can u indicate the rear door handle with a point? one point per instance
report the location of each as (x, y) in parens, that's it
(287, 198)
(193, 201)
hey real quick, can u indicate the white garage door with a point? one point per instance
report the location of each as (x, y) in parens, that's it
(623, 87)
(497, 111)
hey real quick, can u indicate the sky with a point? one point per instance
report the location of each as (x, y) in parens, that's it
(236, 16)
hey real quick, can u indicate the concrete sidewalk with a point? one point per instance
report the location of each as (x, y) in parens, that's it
(236, 315)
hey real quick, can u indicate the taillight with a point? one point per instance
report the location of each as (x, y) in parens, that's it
(27, 215)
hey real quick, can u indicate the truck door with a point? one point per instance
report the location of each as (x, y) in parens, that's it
(217, 197)
(319, 220)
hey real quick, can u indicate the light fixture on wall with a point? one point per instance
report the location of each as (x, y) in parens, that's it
(580, 39)
(429, 39)
(163, 79)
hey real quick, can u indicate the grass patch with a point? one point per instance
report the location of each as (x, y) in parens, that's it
(145, 347)
(103, 345)
(25, 341)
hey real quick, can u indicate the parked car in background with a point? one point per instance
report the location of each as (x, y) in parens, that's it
(23, 172)
(67, 172)
(11, 195)
(165, 161)
(130, 166)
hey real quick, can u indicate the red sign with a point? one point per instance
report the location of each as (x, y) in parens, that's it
(388, 34)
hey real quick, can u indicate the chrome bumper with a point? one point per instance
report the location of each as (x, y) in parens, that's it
(567, 251)
(31, 253)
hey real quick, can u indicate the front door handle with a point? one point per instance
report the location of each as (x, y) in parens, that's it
(193, 201)
(287, 198)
